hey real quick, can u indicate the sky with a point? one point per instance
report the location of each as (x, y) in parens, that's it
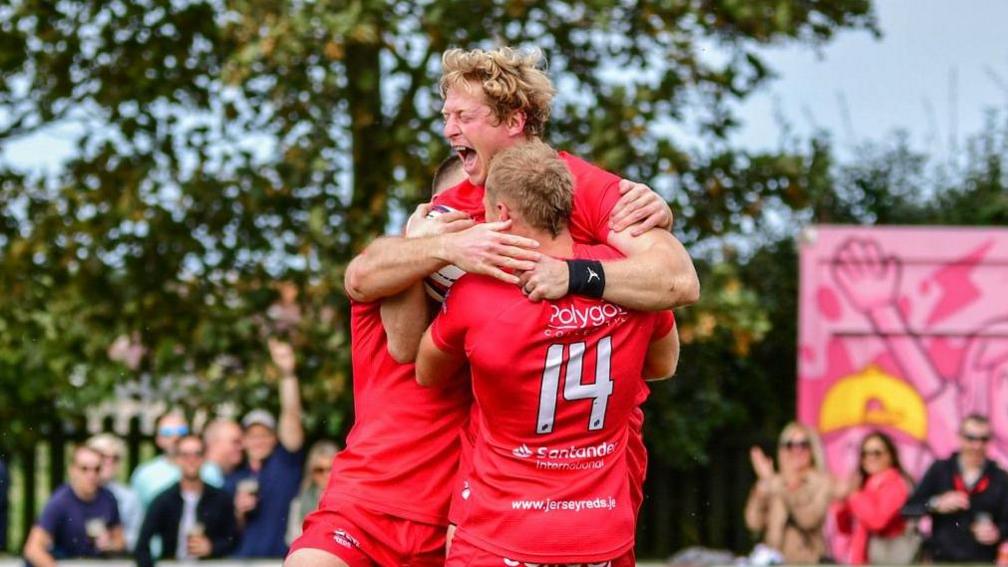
(938, 66)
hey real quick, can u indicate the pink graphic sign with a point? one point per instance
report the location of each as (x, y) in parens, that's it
(903, 329)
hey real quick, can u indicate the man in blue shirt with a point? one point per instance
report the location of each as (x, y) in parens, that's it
(264, 487)
(81, 518)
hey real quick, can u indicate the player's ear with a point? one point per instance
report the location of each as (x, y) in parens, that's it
(515, 123)
(503, 211)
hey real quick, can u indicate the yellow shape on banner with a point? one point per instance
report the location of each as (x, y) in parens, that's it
(873, 397)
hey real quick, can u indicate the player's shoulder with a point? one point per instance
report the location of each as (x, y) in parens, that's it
(463, 196)
(596, 252)
(584, 170)
(478, 285)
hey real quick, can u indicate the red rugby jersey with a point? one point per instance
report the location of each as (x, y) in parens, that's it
(595, 193)
(402, 453)
(556, 384)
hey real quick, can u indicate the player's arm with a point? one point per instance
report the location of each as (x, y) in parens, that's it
(391, 264)
(433, 365)
(442, 349)
(404, 317)
(662, 356)
(656, 274)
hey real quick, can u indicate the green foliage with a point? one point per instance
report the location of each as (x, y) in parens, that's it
(225, 145)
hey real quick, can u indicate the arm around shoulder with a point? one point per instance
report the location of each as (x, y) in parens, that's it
(389, 265)
(656, 274)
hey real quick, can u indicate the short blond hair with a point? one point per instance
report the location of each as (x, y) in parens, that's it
(511, 80)
(536, 182)
(106, 444)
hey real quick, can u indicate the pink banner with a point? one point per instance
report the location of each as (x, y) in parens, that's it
(903, 329)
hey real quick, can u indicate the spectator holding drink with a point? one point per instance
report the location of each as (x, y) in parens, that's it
(152, 477)
(81, 519)
(113, 450)
(264, 487)
(966, 496)
(193, 519)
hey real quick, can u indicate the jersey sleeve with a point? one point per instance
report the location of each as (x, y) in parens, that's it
(595, 194)
(50, 518)
(448, 331)
(664, 322)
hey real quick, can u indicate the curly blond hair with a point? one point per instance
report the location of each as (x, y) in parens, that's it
(536, 182)
(512, 80)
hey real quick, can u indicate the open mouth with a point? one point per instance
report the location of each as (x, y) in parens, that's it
(468, 157)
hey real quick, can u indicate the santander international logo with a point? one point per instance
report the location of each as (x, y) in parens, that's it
(523, 452)
(574, 317)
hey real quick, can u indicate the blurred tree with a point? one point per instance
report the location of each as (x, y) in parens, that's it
(225, 145)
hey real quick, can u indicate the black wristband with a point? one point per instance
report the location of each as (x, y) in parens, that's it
(586, 277)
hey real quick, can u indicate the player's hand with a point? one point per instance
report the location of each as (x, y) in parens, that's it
(866, 277)
(198, 545)
(419, 225)
(639, 208)
(486, 249)
(282, 355)
(548, 279)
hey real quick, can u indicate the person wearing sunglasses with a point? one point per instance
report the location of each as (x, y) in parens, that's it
(192, 519)
(313, 483)
(154, 476)
(80, 519)
(788, 505)
(966, 496)
(870, 503)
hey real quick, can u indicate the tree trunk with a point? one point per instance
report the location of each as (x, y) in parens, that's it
(372, 165)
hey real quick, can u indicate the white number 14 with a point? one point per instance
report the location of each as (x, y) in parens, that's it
(574, 389)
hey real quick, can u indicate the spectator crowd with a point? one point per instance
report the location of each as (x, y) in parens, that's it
(240, 489)
(957, 513)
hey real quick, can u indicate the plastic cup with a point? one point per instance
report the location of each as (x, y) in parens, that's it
(95, 528)
(250, 485)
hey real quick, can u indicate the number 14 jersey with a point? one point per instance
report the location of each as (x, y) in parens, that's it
(555, 383)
